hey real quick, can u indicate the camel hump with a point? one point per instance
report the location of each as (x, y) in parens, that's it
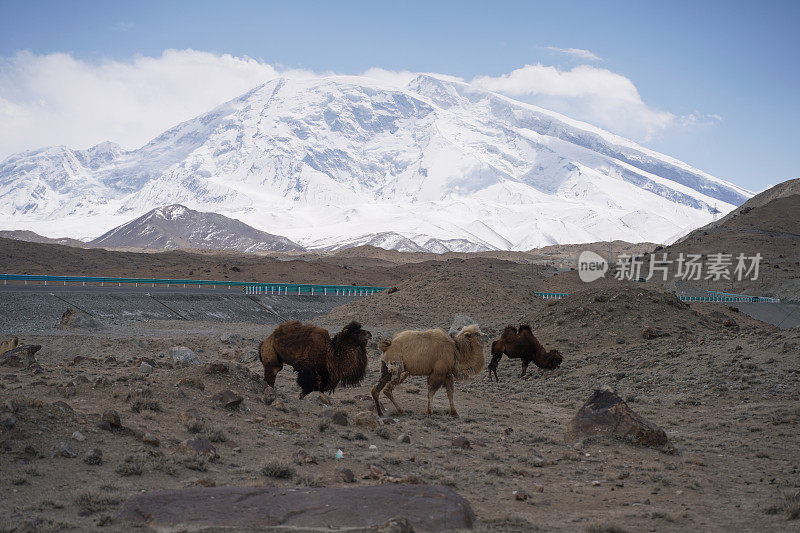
(384, 344)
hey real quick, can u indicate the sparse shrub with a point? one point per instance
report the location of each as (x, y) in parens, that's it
(216, 435)
(278, 470)
(195, 426)
(605, 528)
(384, 433)
(92, 502)
(150, 405)
(195, 463)
(131, 466)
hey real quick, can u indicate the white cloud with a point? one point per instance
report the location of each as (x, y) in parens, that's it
(595, 95)
(56, 99)
(578, 53)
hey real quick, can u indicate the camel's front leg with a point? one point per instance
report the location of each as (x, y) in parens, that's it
(386, 376)
(396, 370)
(524, 369)
(449, 387)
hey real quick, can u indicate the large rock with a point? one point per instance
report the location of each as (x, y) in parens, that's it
(426, 507)
(21, 356)
(77, 319)
(9, 344)
(183, 356)
(459, 321)
(605, 413)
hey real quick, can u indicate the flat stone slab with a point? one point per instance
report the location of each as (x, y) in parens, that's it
(427, 507)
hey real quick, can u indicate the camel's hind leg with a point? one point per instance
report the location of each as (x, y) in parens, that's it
(386, 376)
(448, 384)
(435, 381)
(397, 376)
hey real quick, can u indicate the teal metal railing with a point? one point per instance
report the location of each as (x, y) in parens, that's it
(715, 297)
(248, 287)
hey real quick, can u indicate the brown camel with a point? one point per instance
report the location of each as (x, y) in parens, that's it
(321, 363)
(522, 344)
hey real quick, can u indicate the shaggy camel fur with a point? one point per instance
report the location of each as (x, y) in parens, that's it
(431, 353)
(522, 345)
(321, 363)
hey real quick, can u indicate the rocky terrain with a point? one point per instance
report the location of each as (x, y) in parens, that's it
(724, 388)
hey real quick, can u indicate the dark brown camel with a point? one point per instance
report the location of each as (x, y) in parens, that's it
(522, 344)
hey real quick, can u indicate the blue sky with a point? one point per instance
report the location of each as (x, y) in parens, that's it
(718, 81)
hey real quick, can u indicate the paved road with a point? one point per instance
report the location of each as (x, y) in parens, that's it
(39, 307)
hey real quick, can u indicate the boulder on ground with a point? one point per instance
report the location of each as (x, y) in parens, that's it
(21, 356)
(605, 413)
(8, 344)
(183, 356)
(424, 507)
(227, 398)
(460, 321)
(77, 319)
(367, 419)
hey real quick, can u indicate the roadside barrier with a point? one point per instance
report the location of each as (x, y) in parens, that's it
(720, 297)
(248, 287)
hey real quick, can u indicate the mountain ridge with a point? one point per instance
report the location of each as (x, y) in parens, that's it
(338, 161)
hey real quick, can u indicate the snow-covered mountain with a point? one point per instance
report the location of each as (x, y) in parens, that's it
(338, 161)
(175, 226)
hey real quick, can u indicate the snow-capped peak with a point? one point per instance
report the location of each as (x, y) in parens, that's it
(330, 161)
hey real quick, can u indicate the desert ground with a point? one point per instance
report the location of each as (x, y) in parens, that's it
(723, 386)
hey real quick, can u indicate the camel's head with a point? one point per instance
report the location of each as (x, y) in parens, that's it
(471, 331)
(353, 332)
(554, 360)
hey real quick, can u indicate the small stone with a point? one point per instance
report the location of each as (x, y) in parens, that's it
(191, 415)
(65, 450)
(376, 472)
(624, 475)
(228, 399)
(651, 333)
(520, 495)
(183, 356)
(112, 418)
(405, 439)
(595, 483)
(337, 417)
(321, 399)
(11, 405)
(537, 461)
(538, 488)
(620, 340)
(8, 421)
(215, 368)
(347, 475)
(367, 419)
(80, 437)
(301, 457)
(508, 431)
(192, 382)
(462, 442)
(93, 457)
(199, 446)
(145, 368)
(151, 439)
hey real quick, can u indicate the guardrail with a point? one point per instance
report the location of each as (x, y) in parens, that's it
(551, 295)
(764, 299)
(248, 287)
(720, 297)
